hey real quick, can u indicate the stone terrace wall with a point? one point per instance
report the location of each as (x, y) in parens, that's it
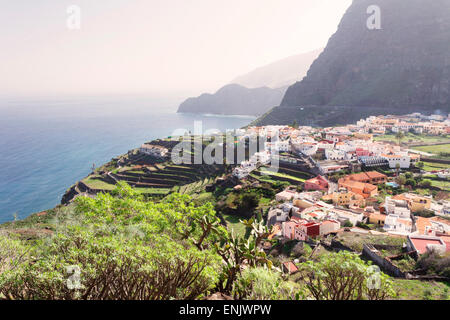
(385, 264)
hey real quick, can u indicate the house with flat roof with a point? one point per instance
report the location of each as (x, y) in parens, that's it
(398, 225)
(423, 244)
(397, 207)
(403, 160)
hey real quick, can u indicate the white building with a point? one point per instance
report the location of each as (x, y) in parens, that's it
(398, 225)
(397, 207)
(262, 157)
(444, 174)
(335, 154)
(153, 150)
(344, 215)
(278, 146)
(307, 148)
(403, 160)
(244, 169)
(325, 145)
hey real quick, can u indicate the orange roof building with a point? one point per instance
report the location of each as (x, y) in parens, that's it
(366, 190)
(289, 267)
(318, 183)
(372, 177)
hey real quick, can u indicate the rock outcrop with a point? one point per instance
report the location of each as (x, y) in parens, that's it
(234, 99)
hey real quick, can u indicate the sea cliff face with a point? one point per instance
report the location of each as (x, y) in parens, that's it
(406, 63)
(234, 100)
(256, 92)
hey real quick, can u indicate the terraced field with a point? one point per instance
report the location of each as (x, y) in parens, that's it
(431, 166)
(294, 171)
(158, 179)
(277, 176)
(411, 138)
(97, 183)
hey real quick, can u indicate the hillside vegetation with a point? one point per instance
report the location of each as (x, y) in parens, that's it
(119, 246)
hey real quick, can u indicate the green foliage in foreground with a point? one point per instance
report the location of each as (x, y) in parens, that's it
(262, 284)
(123, 247)
(344, 276)
(118, 246)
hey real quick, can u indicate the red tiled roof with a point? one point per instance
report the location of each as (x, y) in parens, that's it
(375, 174)
(290, 266)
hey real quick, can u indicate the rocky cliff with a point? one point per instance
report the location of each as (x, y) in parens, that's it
(255, 92)
(404, 64)
(282, 73)
(234, 99)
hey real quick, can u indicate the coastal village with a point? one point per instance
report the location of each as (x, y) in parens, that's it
(379, 188)
(357, 189)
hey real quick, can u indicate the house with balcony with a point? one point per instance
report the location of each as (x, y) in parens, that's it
(335, 154)
(416, 203)
(398, 207)
(373, 161)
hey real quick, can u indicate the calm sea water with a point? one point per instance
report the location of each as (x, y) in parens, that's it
(47, 145)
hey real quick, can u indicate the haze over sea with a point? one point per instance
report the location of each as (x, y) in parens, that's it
(47, 145)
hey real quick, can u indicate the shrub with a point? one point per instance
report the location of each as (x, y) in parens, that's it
(411, 182)
(261, 284)
(425, 213)
(348, 224)
(120, 247)
(433, 263)
(344, 276)
(426, 183)
(110, 267)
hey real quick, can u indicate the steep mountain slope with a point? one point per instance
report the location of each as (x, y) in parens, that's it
(256, 92)
(404, 64)
(234, 99)
(280, 73)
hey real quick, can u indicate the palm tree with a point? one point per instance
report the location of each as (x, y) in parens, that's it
(400, 135)
(397, 167)
(420, 165)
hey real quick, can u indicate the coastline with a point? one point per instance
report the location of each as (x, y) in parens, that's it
(46, 153)
(242, 116)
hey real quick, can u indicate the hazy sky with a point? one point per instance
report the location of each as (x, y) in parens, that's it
(152, 46)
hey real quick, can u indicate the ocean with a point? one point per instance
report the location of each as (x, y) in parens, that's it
(46, 145)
